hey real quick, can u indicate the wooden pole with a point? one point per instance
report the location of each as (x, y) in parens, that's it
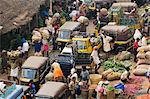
(50, 10)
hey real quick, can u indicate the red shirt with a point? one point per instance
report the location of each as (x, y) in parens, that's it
(135, 45)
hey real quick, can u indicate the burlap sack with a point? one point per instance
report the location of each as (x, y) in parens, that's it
(140, 72)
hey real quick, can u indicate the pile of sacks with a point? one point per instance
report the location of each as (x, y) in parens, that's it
(124, 55)
(143, 64)
(111, 75)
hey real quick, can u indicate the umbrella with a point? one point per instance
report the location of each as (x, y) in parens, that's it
(83, 19)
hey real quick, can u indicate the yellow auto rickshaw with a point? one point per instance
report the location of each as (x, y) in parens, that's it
(84, 48)
(34, 68)
(52, 90)
(98, 4)
(125, 13)
(122, 35)
(66, 32)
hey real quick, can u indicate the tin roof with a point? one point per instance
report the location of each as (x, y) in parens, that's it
(69, 25)
(124, 4)
(51, 89)
(115, 28)
(34, 62)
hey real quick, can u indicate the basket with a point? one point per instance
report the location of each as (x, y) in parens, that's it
(95, 78)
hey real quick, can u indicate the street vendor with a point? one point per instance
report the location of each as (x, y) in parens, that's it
(95, 57)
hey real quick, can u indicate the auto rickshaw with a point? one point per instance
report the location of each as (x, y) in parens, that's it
(98, 4)
(125, 13)
(34, 68)
(122, 35)
(84, 49)
(66, 32)
(52, 90)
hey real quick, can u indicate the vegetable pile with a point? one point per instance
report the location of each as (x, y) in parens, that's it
(117, 66)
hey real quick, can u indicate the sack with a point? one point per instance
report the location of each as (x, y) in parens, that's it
(45, 34)
(140, 72)
(141, 55)
(124, 75)
(124, 55)
(36, 38)
(105, 73)
(95, 78)
(143, 67)
(148, 55)
(49, 76)
(145, 48)
(143, 61)
(113, 76)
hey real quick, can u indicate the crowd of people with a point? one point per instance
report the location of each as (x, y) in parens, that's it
(78, 83)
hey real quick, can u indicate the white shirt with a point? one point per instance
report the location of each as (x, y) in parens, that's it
(44, 41)
(95, 57)
(25, 47)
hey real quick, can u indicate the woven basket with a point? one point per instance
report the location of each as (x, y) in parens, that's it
(95, 78)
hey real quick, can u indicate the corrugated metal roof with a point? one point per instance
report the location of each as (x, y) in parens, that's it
(34, 62)
(69, 25)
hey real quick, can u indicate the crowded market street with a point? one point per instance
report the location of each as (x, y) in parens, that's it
(75, 49)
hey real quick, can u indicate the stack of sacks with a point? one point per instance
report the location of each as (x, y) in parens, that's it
(111, 75)
(124, 55)
(143, 63)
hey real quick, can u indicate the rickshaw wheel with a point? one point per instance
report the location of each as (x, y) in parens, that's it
(120, 49)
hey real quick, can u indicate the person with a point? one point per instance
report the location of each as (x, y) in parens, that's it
(45, 47)
(54, 41)
(125, 76)
(83, 28)
(148, 76)
(145, 15)
(14, 70)
(106, 44)
(25, 47)
(57, 72)
(4, 61)
(144, 41)
(135, 47)
(48, 21)
(84, 73)
(37, 46)
(95, 58)
(84, 89)
(73, 74)
(72, 88)
(32, 88)
(137, 34)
